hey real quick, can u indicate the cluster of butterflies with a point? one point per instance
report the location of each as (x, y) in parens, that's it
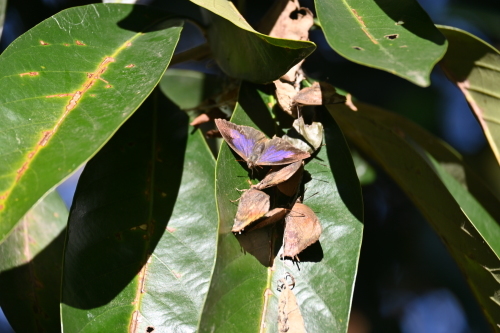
(302, 227)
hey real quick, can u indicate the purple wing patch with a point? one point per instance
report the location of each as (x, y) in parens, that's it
(273, 155)
(242, 143)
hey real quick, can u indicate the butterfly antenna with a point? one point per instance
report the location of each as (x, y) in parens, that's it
(311, 196)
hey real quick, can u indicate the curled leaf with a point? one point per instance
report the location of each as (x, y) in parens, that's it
(305, 137)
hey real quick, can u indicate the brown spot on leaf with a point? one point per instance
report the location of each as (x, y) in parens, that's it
(363, 26)
(2, 207)
(128, 44)
(150, 329)
(66, 44)
(43, 43)
(21, 170)
(108, 86)
(130, 66)
(170, 229)
(46, 137)
(358, 48)
(80, 43)
(29, 73)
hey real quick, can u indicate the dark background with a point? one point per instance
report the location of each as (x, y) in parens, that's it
(407, 282)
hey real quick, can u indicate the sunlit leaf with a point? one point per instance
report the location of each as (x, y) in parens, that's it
(421, 165)
(243, 294)
(244, 53)
(67, 85)
(395, 36)
(143, 228)
(474, 66)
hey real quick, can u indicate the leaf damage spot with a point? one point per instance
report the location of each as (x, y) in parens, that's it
(44, 43)
(45, 138)
(143, 227)
(29, 74)
(21, 170)
(135, 320)
(103, 66)
(170, 229)
(392, 36)
(130, 66)
(363, 26)
(399, 23)
(128, 44)
(358, 48)
(403, 46)
(150, 329)
(108, 86)
(80, 43)
(66, 44)
(177, 275)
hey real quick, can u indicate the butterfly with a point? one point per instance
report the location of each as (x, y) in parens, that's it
(253, 146)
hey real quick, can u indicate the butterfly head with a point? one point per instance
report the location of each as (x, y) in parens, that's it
(254, 156)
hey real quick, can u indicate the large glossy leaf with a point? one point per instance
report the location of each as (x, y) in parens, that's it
(188, 88)
(67, 85)
(143, 228)
(243, 294)
(474, 66)
(470, 233)
(242, 52)
(31, 267)
(395, 36)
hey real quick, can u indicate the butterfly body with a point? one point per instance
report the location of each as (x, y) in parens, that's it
(253, 146)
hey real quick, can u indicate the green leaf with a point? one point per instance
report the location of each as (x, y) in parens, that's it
(30, 268)
(3, 5)
(67, 85)
(244, 53)
(474, 66)
(394, 36)
(421, 165)
(364, 170)
(143, 228)
(243, 294)
(188, 88)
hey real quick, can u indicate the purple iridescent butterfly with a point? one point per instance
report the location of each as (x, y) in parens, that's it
(255, 148)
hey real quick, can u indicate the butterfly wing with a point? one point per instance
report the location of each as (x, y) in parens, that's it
(253, 205)
(278, 151)
(241, 138)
